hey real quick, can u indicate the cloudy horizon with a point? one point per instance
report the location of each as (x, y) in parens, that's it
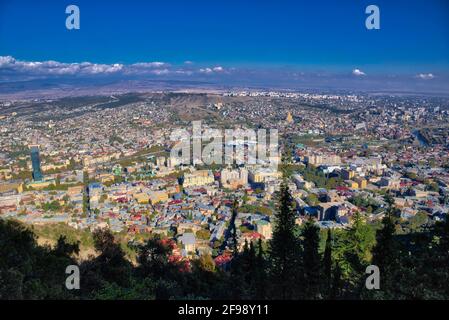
(16, 70)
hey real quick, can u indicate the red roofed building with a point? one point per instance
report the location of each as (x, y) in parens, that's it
(122, 200)
(223, 260)
(201, 190)
(341, 188)
(253, 235)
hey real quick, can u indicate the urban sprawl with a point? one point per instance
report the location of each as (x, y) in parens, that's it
(106, 162)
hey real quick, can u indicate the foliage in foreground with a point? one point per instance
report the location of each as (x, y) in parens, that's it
(412, 266)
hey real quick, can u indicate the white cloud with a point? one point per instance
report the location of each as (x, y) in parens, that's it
(49, 68)
(56, 68)
(206, 70)
(358, 72)
(425, 76)
(160, 72)
(5, 61)
(150, 65)
(217, 69)
(11, 67)
(93, 68)
(186, 72)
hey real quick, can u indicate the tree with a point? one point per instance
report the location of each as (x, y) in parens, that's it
(389, 200)
(110, 266)
(327, 263)
(441, 257)
(311, 260)
(153, 258)
(353, 253)
(386, 256)
(63, 248)
(206, 263)
(203, 234)
(242, 273)
(30, 271)
(205, 280)
(337, 283)
(312, 199)
(260, 276)
(284, 249)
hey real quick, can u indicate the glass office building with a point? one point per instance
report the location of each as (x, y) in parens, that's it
(36, 163)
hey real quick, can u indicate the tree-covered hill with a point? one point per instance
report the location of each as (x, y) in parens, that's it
(294, 266)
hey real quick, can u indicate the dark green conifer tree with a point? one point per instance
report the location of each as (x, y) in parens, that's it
(311, 260)
(386, 256)
(327, 264)
(353, 251)
(260, 276)
(284, 250)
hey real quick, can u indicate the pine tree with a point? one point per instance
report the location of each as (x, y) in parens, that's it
(389, 200)
(311, 260)
(243, 273)
(441, 256)
(284, 249)
(337, 286)
(251, 271)
(386, 256)
(237, 276)
(111, 263)
(260, 276)
(327, 263)
(442, 231)
(251, 258)
(353, 252)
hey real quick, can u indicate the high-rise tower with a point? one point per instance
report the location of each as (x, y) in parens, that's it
(36, 163)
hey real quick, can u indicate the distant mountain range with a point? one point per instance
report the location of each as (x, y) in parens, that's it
(53, 88)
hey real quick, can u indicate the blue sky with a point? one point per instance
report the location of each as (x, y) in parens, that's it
(307, 36)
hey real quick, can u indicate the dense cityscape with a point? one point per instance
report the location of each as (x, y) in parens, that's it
(77, 165)
(209, 159)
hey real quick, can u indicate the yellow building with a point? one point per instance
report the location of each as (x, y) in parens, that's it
(7, 187)
(89, 160)
(263, 175)
(352, 184)
(158, 196)
(362, 183)
(289, 118)
(318, 159)
(106, 177)
(141, 198)
(40, 184)
(198, 178)
(49, 167)
(234, 179)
